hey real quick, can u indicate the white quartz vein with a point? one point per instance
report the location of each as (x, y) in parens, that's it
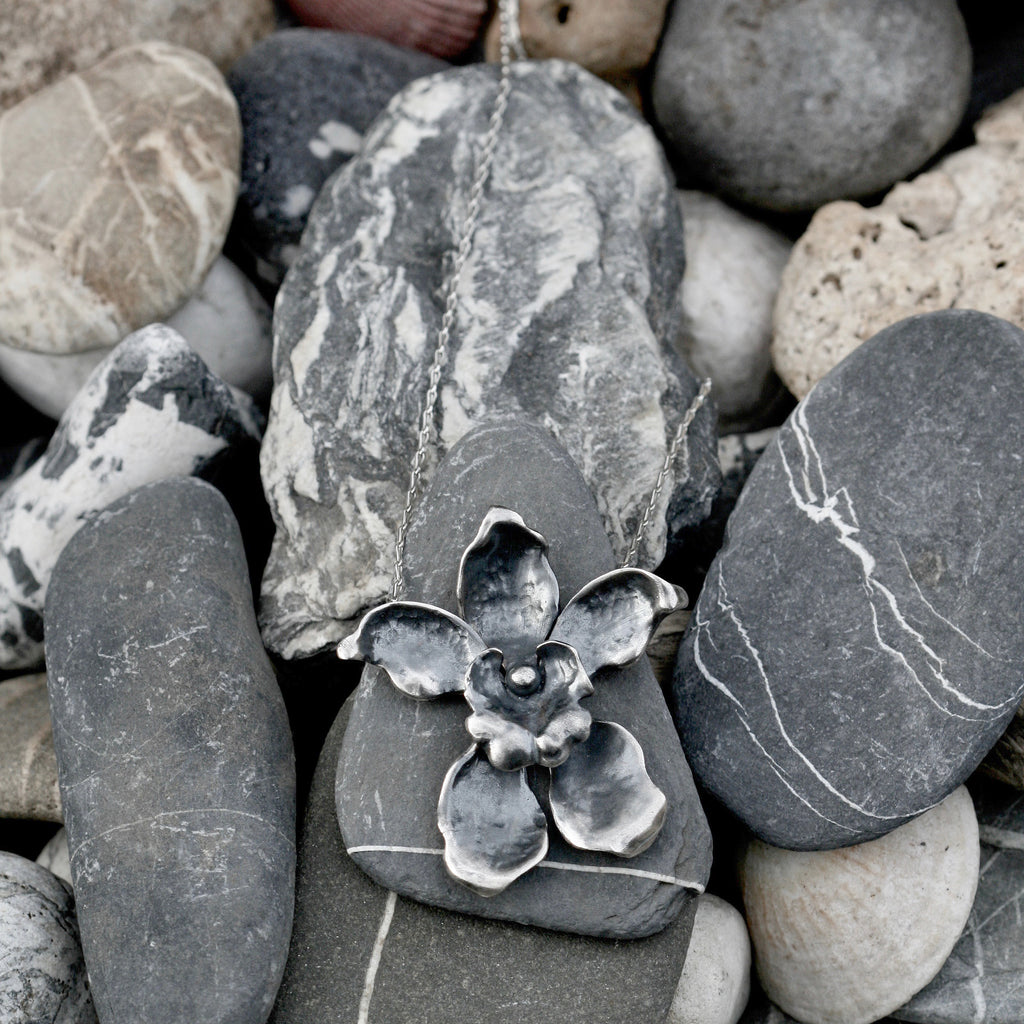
(836, 509)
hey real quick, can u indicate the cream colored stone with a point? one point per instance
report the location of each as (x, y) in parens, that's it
(951, 237)
(715, 982)
(42, 40)
(847, 936)
(116, 191)
(55, 857)
(28, 763)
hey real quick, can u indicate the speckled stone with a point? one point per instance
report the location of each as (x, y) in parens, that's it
(950, 238)
(176, 763)
(397, 750)
(856, 649)
(306, 98)
(358, 949)
(789, 104)
(564, 318)
(141, 151)
(42, 973)
(847, 936)
(151, 410)
(28, 765)
(42, 41)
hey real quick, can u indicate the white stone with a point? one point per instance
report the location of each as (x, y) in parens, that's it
(715, 983)
(949, 238)
(847, 936)
(55, 857)
(733, 268)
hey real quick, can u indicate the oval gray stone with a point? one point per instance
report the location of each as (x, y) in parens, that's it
(397, 750)
(175, 761)
(856, 648)
(565, 317)
(42, 973)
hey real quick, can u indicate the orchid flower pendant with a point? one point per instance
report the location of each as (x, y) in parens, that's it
(523, 668)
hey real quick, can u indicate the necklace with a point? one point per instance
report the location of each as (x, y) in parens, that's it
(523, 666)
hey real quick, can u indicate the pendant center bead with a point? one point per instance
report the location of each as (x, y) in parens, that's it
(523, 680)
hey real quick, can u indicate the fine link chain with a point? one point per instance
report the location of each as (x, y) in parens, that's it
(428, 411)
(679, 441)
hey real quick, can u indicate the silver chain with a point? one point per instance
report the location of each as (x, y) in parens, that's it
(511, 45)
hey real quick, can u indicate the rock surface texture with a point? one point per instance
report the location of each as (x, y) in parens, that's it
(28, 765)
(42, 42)
(564, 317)
(949, 238)
(176, 763)
(397, 750)
(844, 668)
(789, 104)
(360, 953)
(983, 979)
(306, 98)
(151, 410)
(1005, 761)
(54, 856)
(42, 973)
(846, 936)
(116, 191)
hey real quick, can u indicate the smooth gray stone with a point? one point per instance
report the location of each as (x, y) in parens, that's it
(566, 317)
(434, 965)
(42, 973)
(175, 761)
(790, 104)
(856, 649)
(149, 411)
(983, 979)
(397, 750)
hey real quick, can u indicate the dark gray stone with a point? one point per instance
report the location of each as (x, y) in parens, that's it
(790, 104)
(150, 410)
(175, 762)
(434, 965)
(856, 649)
(397, 750)
(42, 973)
(306, 97)
(983, 979)
(565, 318)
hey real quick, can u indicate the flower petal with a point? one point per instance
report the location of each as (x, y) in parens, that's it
(425, 650)
(610, 621)
(603, 799)
(506, 587)
(494, 830)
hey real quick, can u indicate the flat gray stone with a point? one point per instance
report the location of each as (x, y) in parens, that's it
(175, 759)
(360, 954)
(856, 649)
(397, 750)
(42, 973)
(565, 317)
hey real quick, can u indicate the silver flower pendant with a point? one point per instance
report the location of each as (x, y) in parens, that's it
(523, 669)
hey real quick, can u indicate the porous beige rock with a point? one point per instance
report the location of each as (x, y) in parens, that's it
(952, 237)
(42, 41)
(28, 764)
(116, 192)
(846, 936)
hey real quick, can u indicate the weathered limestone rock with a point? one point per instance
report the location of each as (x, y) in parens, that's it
(28, 765)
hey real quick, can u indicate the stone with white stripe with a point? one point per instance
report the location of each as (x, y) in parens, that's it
(397, 750)
(856, 649)
(565, 317)
(361, 955)
(983, 979)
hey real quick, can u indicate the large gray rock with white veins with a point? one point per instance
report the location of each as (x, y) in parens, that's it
(397, 750)
(116, 191)
(856, 649)
(792, 103)
(565, 312)
(983, 979)
(176, 763)
(42, 973)
(150, 411)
